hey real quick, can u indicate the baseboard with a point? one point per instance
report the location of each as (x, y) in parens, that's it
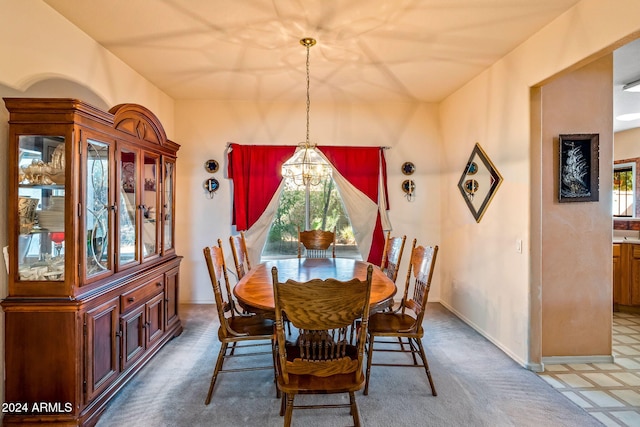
(567, 360)
(535, 367)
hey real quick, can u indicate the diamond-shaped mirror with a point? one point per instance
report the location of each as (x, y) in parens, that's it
(479, 182)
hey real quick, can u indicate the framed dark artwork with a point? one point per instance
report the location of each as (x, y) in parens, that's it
(479, 182)
(578, 168)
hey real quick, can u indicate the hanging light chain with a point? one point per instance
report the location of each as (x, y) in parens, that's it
(308, 45)
(308, 42)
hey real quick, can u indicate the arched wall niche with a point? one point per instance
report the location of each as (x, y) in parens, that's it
(57, 87)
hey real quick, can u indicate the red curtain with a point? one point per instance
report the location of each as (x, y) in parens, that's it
(361, 167)
(256, 174)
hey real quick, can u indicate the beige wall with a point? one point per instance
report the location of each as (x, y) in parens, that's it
(43, 55)
(576, 267)
(483, 278)
(205, 127)
(626, 144)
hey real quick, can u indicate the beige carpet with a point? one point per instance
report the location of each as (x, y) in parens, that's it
(478, 385)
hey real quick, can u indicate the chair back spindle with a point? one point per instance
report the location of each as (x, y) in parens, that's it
(421, 268)
(240, 254)
(392, 255)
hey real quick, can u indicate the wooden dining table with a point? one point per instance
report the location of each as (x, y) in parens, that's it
(254, 291)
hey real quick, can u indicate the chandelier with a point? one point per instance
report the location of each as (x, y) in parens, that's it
(306, 167)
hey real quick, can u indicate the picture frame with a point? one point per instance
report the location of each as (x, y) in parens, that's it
(479, 182)
(578, 169)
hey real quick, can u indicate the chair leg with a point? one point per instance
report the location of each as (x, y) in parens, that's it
(288, 411)
(275, 367)
(219, 362)
(354, 409)
(426, 367)
(369, 358)
(401, 343)
(413, 350)
(283, 404)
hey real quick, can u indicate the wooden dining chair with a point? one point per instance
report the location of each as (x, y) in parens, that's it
(235, 327)
(392, 255)
(327, 356)
(240, 254)
(316, 243)
(404, 324)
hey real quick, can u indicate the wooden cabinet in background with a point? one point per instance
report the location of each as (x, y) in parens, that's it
(626, 277)
(94, 277)
(631, 296)
(617, 275)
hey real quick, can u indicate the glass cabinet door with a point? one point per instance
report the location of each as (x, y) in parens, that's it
(168, 205)
(41, 207)
(128, 192)
(150, 204)
(96, 209)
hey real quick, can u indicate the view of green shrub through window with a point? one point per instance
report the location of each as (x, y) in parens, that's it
(326, 211)
(623, 191)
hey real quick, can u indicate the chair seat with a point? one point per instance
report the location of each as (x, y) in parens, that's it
(392, 323)
(251, 325)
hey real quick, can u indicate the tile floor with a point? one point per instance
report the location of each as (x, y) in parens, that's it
(608, 391)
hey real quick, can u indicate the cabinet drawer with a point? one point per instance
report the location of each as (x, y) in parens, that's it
(635, 251)
(616, 249)
(142, 293)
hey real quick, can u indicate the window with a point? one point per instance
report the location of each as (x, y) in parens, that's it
(624, 190)
(325, 210)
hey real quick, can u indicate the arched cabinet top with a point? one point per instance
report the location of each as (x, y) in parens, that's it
(138, 122)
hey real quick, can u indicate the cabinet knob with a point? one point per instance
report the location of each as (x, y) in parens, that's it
(131, 299)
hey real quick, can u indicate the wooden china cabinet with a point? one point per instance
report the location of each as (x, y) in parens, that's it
(93, 272)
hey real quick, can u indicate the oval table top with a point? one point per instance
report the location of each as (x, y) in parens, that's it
(255, 290)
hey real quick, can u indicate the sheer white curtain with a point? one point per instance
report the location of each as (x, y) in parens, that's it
(256, 235)
(362, 211)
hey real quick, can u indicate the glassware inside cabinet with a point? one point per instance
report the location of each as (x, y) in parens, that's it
(150, 202)
(41, 207)
(97, 207)
(168, 204)
(127, 252)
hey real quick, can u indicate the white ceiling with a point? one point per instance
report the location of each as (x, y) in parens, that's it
(367, 49)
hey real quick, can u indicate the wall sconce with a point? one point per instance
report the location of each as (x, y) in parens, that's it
(211, 185)
(408, 185)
